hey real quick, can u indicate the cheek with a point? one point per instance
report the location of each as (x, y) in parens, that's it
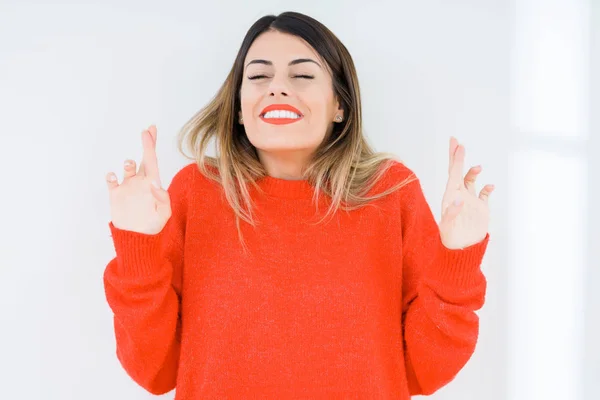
(319, 101)
(249, 97)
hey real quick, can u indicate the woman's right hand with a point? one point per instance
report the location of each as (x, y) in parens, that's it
(139, 204)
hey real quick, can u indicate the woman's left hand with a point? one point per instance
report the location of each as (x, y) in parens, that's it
(465, 216)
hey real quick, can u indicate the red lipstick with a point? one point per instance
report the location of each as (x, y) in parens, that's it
(280, 121)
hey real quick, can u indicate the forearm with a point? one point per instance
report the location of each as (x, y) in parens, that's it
(440, 324)
(138, 287)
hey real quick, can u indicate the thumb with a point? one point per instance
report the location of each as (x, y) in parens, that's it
(161, 195)
(452, 211)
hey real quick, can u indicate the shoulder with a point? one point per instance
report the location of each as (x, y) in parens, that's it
(186, 172)
(192, 172)
(190, 177)
(397, 171)
(184, 177)
(404, 187)
(191, 189)
(396, 174)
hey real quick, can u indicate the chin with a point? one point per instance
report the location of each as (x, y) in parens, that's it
(285, 149)
(284, 144)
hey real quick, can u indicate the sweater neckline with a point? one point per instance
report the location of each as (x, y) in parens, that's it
(286, 188)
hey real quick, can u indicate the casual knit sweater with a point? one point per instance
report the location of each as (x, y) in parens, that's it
(368, 304)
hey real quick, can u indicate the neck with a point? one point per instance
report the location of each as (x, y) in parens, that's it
(284, 165)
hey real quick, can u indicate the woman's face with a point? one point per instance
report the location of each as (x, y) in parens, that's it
(287, 98)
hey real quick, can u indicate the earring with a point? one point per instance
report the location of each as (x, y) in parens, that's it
(241, 120)
(338, 118)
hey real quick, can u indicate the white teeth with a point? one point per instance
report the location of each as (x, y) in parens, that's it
(281, 114)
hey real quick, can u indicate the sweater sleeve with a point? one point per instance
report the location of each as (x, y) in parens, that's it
(143, 288)
(442, 289)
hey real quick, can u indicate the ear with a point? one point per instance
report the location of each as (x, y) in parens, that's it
(339, 112)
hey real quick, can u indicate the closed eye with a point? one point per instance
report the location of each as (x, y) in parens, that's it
(255, 77)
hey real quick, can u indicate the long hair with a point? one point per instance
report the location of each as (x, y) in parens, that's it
(344, 167)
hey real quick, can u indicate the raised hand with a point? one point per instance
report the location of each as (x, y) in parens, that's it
(139, 204)
(465, 215)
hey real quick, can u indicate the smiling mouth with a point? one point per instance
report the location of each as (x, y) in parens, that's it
(280, 117)
(280, 114)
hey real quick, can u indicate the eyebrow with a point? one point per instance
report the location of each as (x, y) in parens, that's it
(293, 62)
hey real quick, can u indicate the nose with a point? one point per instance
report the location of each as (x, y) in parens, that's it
(278, 87)
(275, 93)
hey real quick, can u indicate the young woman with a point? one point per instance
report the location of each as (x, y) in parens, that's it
(298, 262)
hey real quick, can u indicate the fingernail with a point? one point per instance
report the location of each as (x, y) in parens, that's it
(127, 163)
(112, 178)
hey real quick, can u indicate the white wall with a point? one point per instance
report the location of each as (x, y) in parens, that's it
(592, 308)
(78, 83)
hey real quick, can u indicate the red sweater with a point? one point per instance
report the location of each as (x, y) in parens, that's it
(366, 305)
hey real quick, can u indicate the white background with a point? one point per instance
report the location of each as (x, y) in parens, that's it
(516, 81)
